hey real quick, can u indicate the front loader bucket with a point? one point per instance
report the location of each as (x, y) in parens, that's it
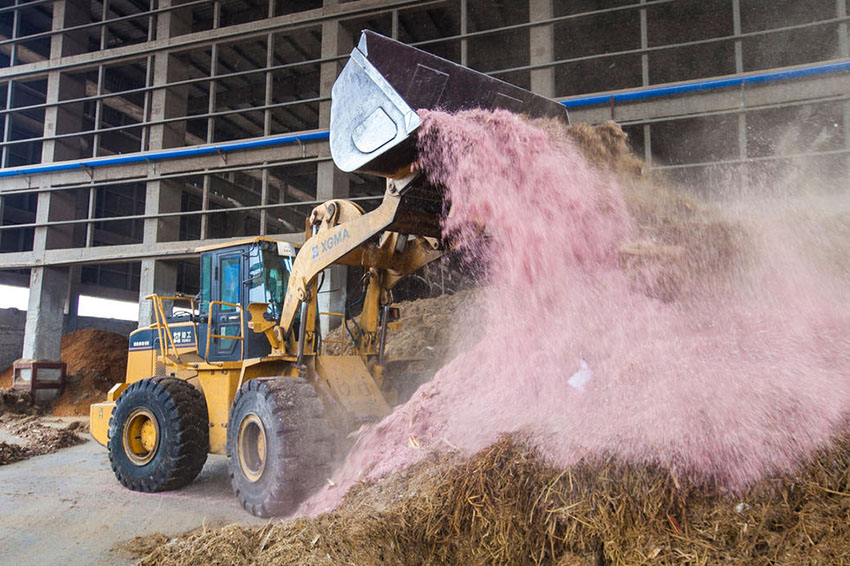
(375, 98)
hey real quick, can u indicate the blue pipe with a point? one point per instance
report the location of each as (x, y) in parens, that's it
(166, 154)
(702, 86)
(579, 102)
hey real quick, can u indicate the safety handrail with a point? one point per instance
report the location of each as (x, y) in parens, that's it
(241, 338)
(157, 312)
(166, 338)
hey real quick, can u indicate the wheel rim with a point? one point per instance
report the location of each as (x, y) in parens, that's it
(141, 436)
(252, 447)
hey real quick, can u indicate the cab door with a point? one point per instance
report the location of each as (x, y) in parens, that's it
(225, 320)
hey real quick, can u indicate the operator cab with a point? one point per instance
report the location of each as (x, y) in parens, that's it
(232, 277)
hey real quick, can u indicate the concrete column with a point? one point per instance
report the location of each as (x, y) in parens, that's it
(644, 44)
(644, 73)
(48, 292)
(73, 299)
(541, 47)
(464, 29)
(742, 115)
(844, 51)
(736, 29)
(267, 125)
(159, 276)
(335, 41)
(10, 86)
(331, 183)
(45, 313)
(49, 286)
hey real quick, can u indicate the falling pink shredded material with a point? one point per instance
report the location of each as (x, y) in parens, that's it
(727, 389)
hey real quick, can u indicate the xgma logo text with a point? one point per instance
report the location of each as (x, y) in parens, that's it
(329, 243)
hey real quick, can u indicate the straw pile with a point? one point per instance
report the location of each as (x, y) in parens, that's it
(605, 145)
(426, 330)
(508, 506)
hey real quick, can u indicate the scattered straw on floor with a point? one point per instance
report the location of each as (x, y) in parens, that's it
(16, 401)
(36, 437)
(507, 506)
(12, 453)
(142, 545)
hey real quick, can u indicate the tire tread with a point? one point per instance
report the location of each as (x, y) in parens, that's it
(185, 417)
(304, 464)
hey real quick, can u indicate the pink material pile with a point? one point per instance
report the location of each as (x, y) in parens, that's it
(743, 379)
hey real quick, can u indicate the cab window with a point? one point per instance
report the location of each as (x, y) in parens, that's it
(206, 269)
(230, 281)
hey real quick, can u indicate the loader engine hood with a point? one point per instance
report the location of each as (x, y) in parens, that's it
(375, 98)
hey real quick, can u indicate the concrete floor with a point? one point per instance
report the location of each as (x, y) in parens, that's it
(68, 509)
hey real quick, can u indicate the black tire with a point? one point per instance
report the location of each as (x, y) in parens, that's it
(178, 414)
(279, 445)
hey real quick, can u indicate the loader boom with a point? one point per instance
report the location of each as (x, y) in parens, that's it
(334, 235)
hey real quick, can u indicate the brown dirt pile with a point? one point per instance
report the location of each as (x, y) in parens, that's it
(6, 377)
(38, 438)
(606, 145)
(507, 506)
(427, 329)
(427, 337)
(96, 360)
(680, 240)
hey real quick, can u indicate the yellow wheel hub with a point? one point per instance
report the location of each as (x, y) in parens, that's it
(141, 436)
(252, 447)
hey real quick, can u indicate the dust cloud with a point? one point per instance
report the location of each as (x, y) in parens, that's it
(719, 350)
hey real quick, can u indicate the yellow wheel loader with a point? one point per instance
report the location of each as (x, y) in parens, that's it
(241, 369)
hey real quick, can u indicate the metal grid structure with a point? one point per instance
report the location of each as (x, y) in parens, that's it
(84, 79)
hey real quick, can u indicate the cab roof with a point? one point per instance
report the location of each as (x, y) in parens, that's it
(291, 238)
